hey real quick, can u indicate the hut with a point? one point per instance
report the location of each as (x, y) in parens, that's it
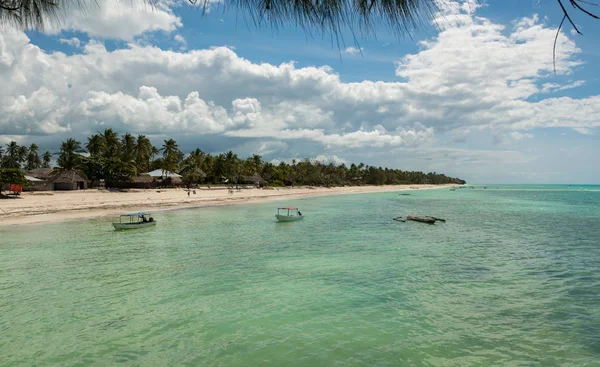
(69, 180)
(41, 173)
(165, 178)
(36, 184)
(161, 174)
(255, 180)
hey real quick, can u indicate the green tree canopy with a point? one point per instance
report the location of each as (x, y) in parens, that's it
(137, 154)
(12, 176)
(69, 157)
(14, 155)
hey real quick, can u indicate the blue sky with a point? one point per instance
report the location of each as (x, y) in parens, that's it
(475, 97)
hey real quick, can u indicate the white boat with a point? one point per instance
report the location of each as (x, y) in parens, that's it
(134, 221)
(288, 215)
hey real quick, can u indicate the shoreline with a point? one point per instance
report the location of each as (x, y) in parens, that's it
(60, 206)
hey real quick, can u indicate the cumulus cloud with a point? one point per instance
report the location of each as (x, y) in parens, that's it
(118, 19)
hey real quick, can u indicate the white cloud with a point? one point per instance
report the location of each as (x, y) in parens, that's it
(515, 135)
(326, 159)
(118, 19)
(181, 41)
(583, 130)
(73, 41)
(150, 111)
(554, 87)
(353, 50)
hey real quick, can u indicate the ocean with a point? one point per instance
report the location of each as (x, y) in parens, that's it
(512, 278)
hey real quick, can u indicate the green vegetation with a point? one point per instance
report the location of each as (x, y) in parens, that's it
(11, 176)
(115, 157)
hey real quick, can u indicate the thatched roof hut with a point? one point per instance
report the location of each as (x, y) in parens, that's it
(255, 179)
(41, 173)
(69, 180)
(142, 178)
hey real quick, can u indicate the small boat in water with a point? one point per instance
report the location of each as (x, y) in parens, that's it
(134, 221)
(288, 215)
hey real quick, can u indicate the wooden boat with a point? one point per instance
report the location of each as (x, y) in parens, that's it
(428, 220)
(288, 215)
(134, 221)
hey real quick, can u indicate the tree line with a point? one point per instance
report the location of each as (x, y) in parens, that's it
(119, 158)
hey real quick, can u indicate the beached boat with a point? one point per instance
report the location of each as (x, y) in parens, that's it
(288, 215)
(134, 221)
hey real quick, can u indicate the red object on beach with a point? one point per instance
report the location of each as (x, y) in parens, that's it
(15, 188)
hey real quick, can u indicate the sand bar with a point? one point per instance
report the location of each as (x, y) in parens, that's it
(55, 206)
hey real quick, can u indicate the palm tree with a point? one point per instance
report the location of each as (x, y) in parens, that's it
(33, 159)
(69, 157)
(231, 165)
(15, 154)
(112, 145)
(195, 159)
(46, 158)
(143, 150)
(128, 144)
(257, 160)
(96, 144)
(171, 155)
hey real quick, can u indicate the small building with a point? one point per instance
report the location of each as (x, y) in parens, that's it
(165, 178)
(41, 173)
(161, 174)
(255, 180)
(36, 184)
(69, 180)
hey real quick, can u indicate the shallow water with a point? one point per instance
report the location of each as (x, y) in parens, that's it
(511, 279)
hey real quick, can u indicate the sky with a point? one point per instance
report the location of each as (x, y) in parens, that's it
(471, 93)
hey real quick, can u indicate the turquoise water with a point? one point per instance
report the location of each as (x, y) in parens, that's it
(513, 278)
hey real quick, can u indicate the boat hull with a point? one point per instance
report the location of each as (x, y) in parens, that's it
(285, 218)
(124, 226)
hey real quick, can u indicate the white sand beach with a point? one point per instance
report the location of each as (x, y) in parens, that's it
(54, 206)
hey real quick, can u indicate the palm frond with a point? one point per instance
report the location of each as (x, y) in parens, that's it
(29, 14)
(333, 16)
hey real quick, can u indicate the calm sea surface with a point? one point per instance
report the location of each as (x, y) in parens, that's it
(512, 278)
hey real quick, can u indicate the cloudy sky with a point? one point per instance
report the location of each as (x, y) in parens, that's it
(474, 97)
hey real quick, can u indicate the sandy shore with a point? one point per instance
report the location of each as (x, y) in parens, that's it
(54, 206)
